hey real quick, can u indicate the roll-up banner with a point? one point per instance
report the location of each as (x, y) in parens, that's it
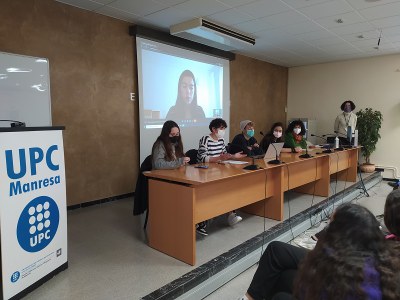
(33, 216)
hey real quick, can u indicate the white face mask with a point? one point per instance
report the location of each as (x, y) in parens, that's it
(220, 134)
(297, 130)
(277, 134)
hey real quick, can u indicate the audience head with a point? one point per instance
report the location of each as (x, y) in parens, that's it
(171, 134)
(247, 127)
(276, 130)
(297, 127)
(347, 106)
(351, 260)
(392, 212)
(187, 90)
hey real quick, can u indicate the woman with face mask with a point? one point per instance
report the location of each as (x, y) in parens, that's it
(167, 152)
(275, 135)
(245, 141)
(186, 107)
(346, 118)
(212, 149)
(294, 136)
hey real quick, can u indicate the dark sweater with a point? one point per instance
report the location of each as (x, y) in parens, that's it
(240, 143)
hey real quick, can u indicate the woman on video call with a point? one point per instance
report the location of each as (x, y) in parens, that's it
(186, 107)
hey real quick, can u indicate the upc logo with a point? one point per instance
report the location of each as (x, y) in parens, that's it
(38, 224)
(15, 276)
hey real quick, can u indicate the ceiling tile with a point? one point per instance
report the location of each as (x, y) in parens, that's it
(303, 3)
(118, 14)
(167, 17)
(85, 4)
(230, 17)
(303, 27)
(315, 35)
(234, 3)
(381, 11)
(326, 9)
(347, 18)
(252, 26)
(353, 28)
(283, 19)
(326, 41)
(263, 8)
(361, 4)
(202, 8)
(391, 31)
(387, 22)
(170, 2)
(137, 7)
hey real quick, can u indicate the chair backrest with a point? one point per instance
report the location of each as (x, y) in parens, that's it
(192, 154)
(147, 164)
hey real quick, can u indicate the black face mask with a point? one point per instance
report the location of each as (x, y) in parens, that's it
(174, 139)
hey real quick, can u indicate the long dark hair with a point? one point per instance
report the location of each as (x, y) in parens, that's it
(270, 138)
(293, 124)
(164, 138)
(179, 100)
(392, 212)
(336, 268)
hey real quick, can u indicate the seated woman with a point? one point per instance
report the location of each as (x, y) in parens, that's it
(245, 141)
(274, 136)
(167, 152)
(294, 136)
(391, 215)
(280, 262)
(352, 261)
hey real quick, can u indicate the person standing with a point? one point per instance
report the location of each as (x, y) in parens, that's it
(346, 118)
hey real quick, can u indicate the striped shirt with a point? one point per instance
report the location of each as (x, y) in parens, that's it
(208, 147)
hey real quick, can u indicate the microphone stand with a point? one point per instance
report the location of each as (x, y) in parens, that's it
(253, 166)
(275, 161)
(327, 150)
(306, 155)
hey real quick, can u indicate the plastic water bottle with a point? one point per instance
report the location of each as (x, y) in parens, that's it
(336, 142)
(356, 138)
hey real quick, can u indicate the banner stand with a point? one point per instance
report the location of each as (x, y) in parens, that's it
(33, 214)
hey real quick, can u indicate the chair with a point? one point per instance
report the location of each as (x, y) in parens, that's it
(192, 154)
(141, 200)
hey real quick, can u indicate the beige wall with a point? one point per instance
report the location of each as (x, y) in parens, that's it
(92, 72)
(317, 91)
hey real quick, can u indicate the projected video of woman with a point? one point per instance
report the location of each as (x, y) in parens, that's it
(186, 107)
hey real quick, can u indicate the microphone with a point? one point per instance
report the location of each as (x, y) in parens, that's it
(261, 133)
(329, 145)
(275, 161)
(14, 123)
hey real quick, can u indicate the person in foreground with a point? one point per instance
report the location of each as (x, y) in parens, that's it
(186, 107)
(167, 152)
(294, 136)
(212, 149)
(274, 136)
(351, 260)
(245, 141)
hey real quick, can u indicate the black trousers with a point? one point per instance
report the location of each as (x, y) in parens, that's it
(276, 270)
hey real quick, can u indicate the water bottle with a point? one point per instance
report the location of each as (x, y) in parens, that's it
(356, 138)
(336, 142)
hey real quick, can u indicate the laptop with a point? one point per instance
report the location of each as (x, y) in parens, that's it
(271, 152)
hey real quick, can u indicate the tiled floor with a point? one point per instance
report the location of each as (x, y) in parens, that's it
(109, 257)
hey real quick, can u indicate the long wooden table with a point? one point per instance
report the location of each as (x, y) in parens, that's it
(181, 198)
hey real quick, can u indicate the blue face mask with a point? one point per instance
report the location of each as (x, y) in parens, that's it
(250, 132)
